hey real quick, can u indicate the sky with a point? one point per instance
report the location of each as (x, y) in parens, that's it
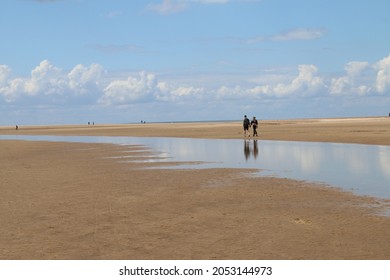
(123, 61)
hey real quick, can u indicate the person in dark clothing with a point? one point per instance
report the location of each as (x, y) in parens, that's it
(254, 125)
(246, 124)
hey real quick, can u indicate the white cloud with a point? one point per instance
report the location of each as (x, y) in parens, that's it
(175, 6)
(299, 34)
(145, 87)
(4, 74)
(12, 89)
(354, 68)
(45, 80)
(236, 92)
(383, 75)
(48, 81)
(353, 82)
(167, 7)
(140, 88)
(307, 82)
(212, 1)
(83, 80)
(92, 85)
(181, 92)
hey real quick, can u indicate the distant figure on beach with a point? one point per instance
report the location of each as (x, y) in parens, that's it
(254, 125)
(16, 127)
(246, 124)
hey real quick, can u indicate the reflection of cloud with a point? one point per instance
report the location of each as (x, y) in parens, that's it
(307, 158)
(384, 160)
(355, 158)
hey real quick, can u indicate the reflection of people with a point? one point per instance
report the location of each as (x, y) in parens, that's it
(246, 125)
(248, 150)
(255, 149)
(254, 124)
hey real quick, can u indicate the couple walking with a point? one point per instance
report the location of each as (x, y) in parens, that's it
(246, 124)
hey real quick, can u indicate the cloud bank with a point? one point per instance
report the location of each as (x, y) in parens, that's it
(49, 85)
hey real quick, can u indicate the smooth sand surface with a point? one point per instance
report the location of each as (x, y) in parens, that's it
(75, 201)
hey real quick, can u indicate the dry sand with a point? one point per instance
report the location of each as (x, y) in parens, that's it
(74, 201)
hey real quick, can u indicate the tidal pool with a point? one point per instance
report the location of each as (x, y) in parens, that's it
(362, 169)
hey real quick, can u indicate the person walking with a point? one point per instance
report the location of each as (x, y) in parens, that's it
(254, 124)
(246, 124)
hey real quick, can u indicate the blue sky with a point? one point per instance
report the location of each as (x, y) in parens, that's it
(119, 61)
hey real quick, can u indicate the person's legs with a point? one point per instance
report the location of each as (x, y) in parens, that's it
(246, 131)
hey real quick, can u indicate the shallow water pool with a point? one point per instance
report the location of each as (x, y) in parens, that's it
(362, 169)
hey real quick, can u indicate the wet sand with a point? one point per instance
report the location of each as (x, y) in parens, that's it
(74, 201)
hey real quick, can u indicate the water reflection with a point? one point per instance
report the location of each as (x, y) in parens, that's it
(251, 149)
(364, 169)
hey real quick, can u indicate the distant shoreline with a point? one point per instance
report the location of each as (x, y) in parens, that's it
(359, 130)
(195, 121)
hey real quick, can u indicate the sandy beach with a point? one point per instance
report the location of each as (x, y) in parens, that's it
(77, 201)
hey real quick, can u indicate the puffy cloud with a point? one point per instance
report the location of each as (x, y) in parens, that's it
(134, 89)
(4, 74)
(45, 79)
(383, 75)
(83, 79)
(307, 82)
(170, 93)
(12, 89)
(49, 81)
(235, 92)
(353, 82)
(145, 87)
(181, 92)
(92, 85)
(354, 68)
